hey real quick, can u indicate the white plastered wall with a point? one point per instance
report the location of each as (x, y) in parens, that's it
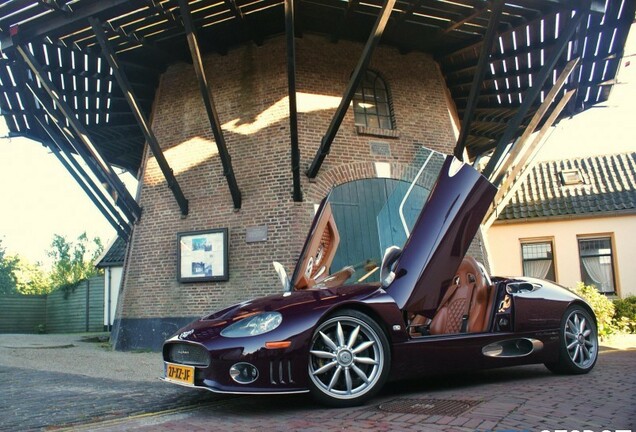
(504, 247)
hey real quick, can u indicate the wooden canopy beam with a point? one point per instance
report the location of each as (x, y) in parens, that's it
(133, 38)
(208, 101)
(55, 5)
(158, 8)
(129, 205)
(531, 95)
(477, 10)
(475, 88)
(461, 83)
(62, 152)
(82, 178)
(256, 37)
(348, 13)
(109, 54)
(354, 81)
(67, 142)
(59, 21)
(293, 111)
(519, 146)
(521, 170)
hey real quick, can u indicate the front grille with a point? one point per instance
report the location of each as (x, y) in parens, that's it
(187, 354)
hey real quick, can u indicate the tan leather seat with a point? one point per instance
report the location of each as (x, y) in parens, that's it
(469, 295)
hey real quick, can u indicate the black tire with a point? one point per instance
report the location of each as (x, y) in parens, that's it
(349, 359)
(578, 342)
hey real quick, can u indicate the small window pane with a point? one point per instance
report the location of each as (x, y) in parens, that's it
(385, 123)
(372, 122)
(381, 96)
(360, 119)
(537, 260)
(597, 266)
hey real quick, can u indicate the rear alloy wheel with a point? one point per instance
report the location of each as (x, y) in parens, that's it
(349, 359)
(578, 350)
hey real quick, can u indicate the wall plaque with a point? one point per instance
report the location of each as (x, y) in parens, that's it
(256, 234)
(380, 148)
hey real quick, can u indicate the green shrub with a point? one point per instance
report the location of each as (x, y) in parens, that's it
(625, 307)
(625, 314)
(602, 306)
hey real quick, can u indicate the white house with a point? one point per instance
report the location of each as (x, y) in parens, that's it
(112, 261)
(572, 220)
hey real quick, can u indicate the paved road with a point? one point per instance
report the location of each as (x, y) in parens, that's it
(522, 398)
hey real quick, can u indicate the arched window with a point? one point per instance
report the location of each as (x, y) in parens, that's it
(372, 104)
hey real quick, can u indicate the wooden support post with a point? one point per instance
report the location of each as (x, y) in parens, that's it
(518, 147)
(348, 12)
(208, 101)
(521, 170)
(142, 121)
(129, 204)
(475, 88)
(256, 37)
(93, 191)
(531, 95)
(293, 111)
(356, 77)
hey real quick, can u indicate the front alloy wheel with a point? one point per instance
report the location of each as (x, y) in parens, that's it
(348, 359)
(579, 343)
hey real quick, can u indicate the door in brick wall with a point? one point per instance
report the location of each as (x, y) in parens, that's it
(368, 220)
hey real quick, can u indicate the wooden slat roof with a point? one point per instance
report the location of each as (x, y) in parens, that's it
(148, 35)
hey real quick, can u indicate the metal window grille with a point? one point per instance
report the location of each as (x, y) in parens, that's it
(372, 103)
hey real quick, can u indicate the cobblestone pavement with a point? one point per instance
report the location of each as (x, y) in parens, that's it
(527, 398)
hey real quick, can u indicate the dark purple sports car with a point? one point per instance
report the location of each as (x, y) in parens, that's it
(384, 291)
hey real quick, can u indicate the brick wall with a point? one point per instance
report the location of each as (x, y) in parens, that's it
(249, 85)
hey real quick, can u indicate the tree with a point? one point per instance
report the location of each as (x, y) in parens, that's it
(7, 276)
(73, 261)
(31, 279)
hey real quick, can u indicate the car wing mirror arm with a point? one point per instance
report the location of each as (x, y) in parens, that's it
(391, 255)
(282, 276)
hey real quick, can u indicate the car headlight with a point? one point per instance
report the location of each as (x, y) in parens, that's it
(254, 325)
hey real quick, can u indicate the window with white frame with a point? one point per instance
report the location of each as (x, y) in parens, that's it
(538, 260)
(597, 263)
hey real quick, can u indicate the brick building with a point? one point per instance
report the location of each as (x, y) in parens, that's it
(250, 85)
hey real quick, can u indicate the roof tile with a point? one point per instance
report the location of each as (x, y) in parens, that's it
(609, 184)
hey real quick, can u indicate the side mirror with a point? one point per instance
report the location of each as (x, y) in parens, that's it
(282, 276)
(391, 255)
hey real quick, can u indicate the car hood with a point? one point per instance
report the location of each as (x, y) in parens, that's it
(441, 236)
(295, 306)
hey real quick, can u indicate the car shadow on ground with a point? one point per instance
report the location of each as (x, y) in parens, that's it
(280, 404)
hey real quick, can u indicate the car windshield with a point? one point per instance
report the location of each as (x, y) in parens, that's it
(359, 220)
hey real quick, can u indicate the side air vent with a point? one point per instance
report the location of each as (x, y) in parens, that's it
(280, 372)
(512, 348)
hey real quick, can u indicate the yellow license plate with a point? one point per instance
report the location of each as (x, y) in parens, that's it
(180, 373)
